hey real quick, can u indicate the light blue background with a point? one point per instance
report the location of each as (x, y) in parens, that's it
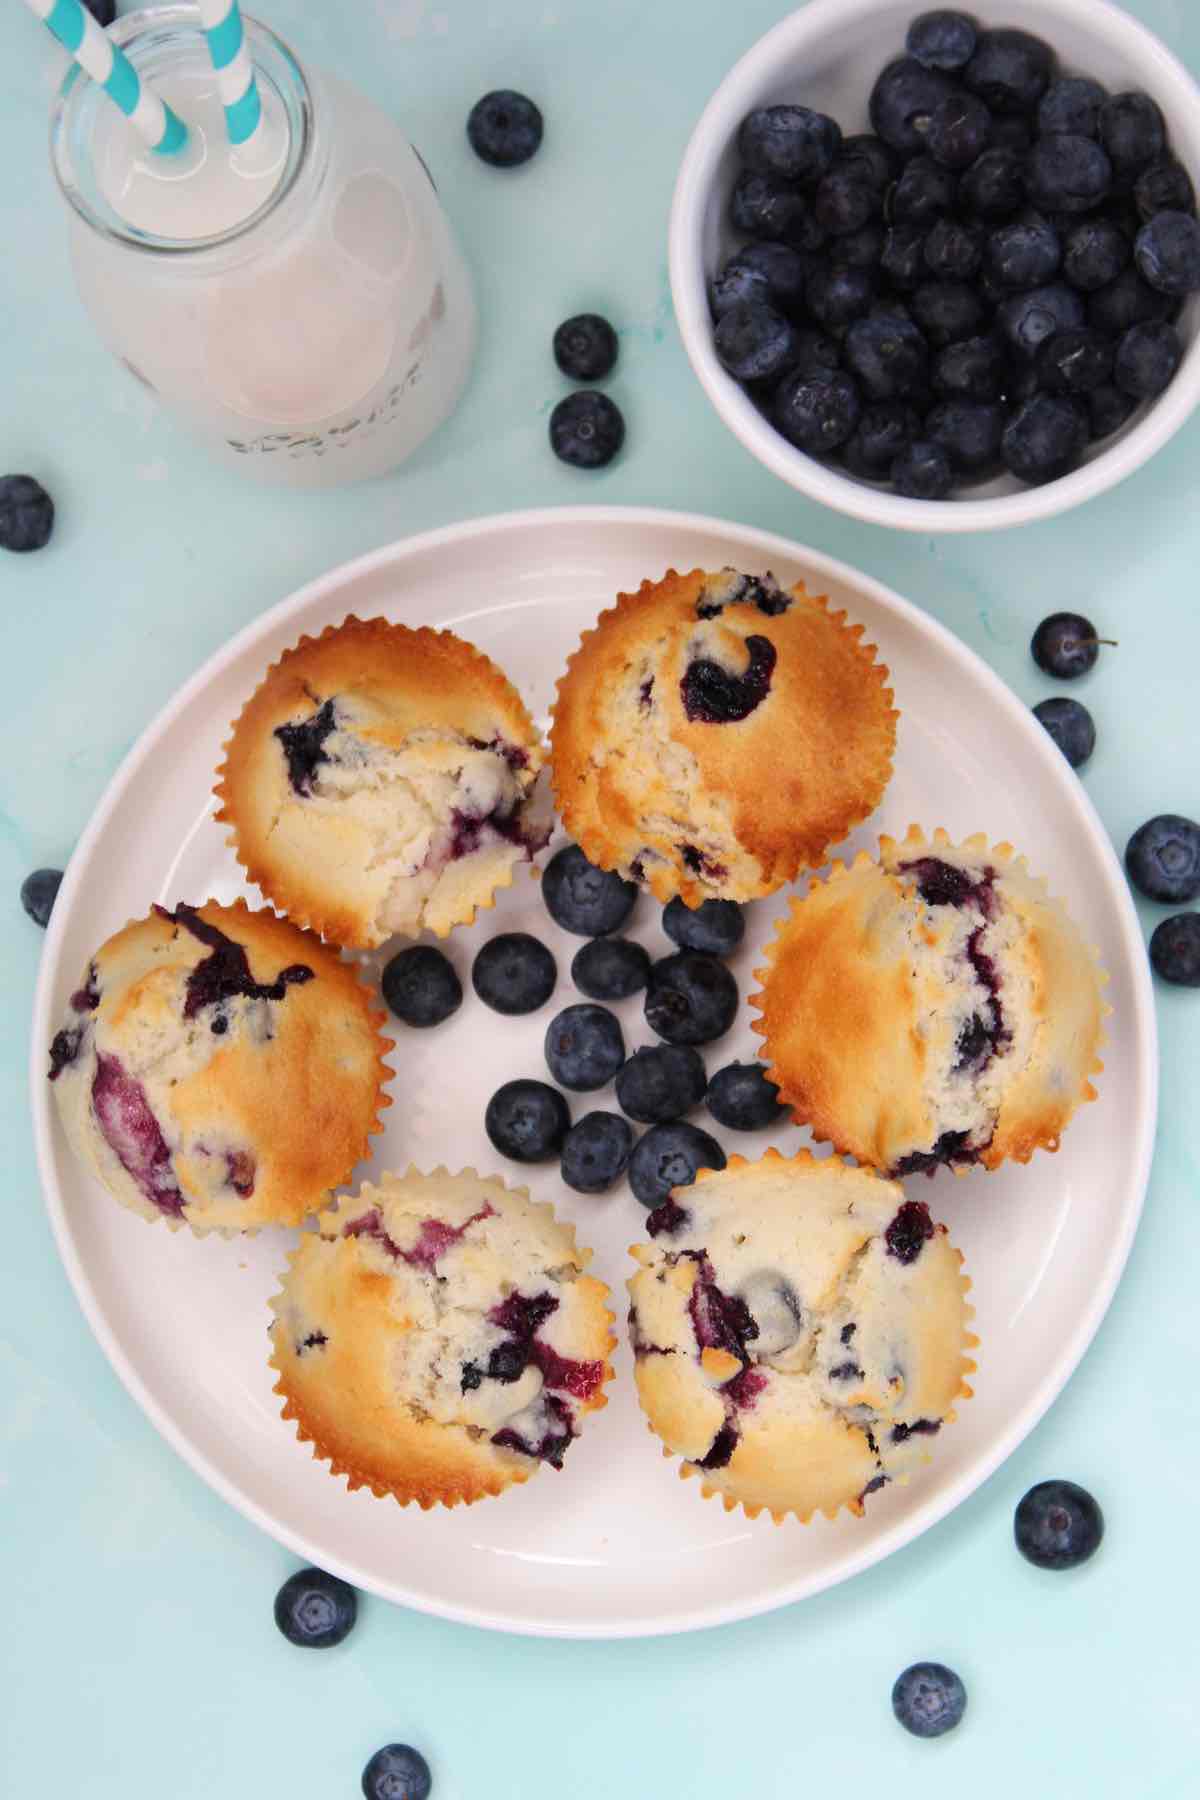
(137, 1651)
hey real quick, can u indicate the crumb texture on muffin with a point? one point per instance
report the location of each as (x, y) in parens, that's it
(800, 1333)
(380, 780)
(933, 1006)
(715, 733)
(438, 1339)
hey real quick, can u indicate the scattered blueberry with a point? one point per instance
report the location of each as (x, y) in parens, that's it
(928, 1698)
(692, 998)
(1165, 186)
(315, 1610)
(1069, 173)
(585, 347)
(923, 472)
(971, 369)
(1162, 859)
(959, 131)
(420, 986)
(584, 1046)
(596, 1152)
(741, 1097)
(923, 193)
(993, 187)
(26, 514)
(1058, 1525)
(791, 141)
(661, 1082)
(1147, 359)
(527, 1121)
(1024, 252)
(1108, 410)
(610, 968)
(397, 1772)
(504, 128)
(38, 894)
(715, 926)
(754, 342)
(773, 273)
(1010, 70)
(969, 431)
(1066, 645)
(902, 100)
(1094, 253)
(1045, 438)
(1167, 253)
(1075, 362)
(1071, 726)
(1175, 949)
(103, 11)
(514, 973)
(1071, 106)
(668, 1156)
(586, 429)
(817, 413)
(942, 40)
(583, 899)
(763, 206)
(1132, 131)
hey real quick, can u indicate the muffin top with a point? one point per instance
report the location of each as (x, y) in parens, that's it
(219, 1067)
(933, 1006)
(438, 1340)
(799, 1329)
(378, 781)
(715, 733)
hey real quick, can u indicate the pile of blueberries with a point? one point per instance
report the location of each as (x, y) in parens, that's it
(690, 999)
(987, 280)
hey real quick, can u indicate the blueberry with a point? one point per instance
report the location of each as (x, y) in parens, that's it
(1058, 1525)
(1162, 859)
(763, 206)
(103, 11)
(38, 894)
(504, 128)
(817, 413)
(1147, 359)
(923, 193)
(315, 1610)
(692, 998)
(928, 1698)
(942, 40)
(947, 311)
(755, 343)
(1094, 253)
(972, 369)
(790, 141)
(1132, 131)
(844, 199)
(1028, 319)
(1126, 301)
(585, 347)
(774, 273)
(715, 926)
(1165, 186)
(668, 1156)
(1065, 645)
(741, 1098)
(420, 986)
(994, 185)
(902, 100)
(584, 1047)
(837, 295)
(610, 968)
(1071, 106)
(871, 158)
(1108, 410)
(586, 429)
(1075, 362)
(817, 354)
(527, 1121)
(969, 431)
(661, 1083)
(903, 259)
(1175, 949)
(1024, 253)
(889, 357)
(596, 1152)
(514, 973)
(1071, 726)
(1011, 131)
(923, 472)
(882, 433)
(397, 1772)
(1045, 438)
(26, 514)
(1167, 253)
(959, 131)
(861, 249)
(1010, 70)
(583, 899)
(1067, 174)
(953, 249)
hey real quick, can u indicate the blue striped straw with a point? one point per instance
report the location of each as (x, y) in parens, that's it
(78, 32)
(222, 22)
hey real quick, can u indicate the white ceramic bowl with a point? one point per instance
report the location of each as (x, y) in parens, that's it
(827, 56)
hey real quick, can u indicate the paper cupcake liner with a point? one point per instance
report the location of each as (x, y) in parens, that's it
(301, 902)
(472, 1468)
(590, 819)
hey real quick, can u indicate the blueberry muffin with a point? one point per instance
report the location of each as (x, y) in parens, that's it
(933, 1007)
(799, 1331)
(219, 1068)
(715, 733)
(380, 780)
(438, 1340)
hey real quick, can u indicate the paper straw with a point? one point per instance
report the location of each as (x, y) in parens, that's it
(222, 22)
(78, 32)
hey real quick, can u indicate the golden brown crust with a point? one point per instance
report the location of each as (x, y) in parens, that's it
(774, 790)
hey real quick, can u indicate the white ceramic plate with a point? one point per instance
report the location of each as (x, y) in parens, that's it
(615, 1545)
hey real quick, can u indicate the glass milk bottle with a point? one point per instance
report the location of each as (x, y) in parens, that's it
(298, 302)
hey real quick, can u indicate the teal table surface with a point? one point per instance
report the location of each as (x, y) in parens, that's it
(138, 1655)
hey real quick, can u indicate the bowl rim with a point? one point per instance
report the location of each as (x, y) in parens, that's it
(1151, 63)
